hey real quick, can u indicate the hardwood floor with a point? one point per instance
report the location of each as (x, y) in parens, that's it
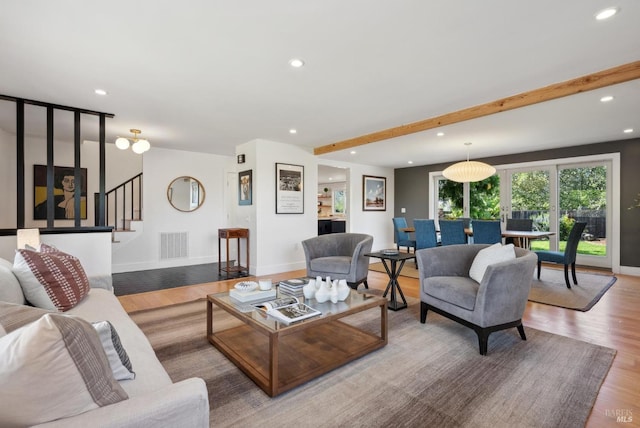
(613, 322)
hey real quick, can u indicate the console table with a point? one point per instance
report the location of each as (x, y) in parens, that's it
(231, 233)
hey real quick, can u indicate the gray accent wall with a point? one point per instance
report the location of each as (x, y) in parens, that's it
(411, 188)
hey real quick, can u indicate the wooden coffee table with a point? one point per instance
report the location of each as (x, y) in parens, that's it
(278, 357)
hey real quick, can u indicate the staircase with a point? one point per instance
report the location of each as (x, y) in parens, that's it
(123, 209)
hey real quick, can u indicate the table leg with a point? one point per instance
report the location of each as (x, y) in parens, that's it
(273, 369)
(393, 284)
(227, 265)
(219, 257)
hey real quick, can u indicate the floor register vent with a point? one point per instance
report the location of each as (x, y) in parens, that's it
(174, 245)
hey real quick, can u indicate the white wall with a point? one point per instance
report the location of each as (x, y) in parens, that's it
(161, 167)
(92, 249)
(276, 238)
(8, 177)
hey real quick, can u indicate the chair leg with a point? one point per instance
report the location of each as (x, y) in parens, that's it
(539, 266)
(366, 285)
(483, 340)
(566, 275)
(521, 331)
(423, 312)
(573, 273)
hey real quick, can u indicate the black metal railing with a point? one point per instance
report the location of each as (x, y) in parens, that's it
(123, 203)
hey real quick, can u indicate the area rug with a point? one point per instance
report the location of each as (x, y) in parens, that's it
(428, 375)
(550, 289)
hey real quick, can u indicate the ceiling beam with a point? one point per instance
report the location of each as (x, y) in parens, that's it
(600, 79)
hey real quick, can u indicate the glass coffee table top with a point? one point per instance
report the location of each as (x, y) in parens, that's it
(353, 303)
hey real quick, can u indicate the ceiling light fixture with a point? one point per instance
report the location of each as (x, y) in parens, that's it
(296, 63)
(440, 134)
(139, 146)
(468, 171)
(293, 131)
(606, 98)
(410, 162)
(607, 13)
(628, 131)
(353, 152)
(100, 92)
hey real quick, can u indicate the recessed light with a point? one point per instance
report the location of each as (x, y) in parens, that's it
(296, 63)
(628, 131)
(330, 178)
(440, 134)
(293, 131)
(353, 152)
(606, 98)
(100, 92)
(607, 13)
(410, 162)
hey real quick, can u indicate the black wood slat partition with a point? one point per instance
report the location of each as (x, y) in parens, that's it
(103, 180)
(77, 174)
(50, 172)
(21, 170)
(20, 166)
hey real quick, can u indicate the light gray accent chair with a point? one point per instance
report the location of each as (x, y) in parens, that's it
(496, 303)
(339, 256)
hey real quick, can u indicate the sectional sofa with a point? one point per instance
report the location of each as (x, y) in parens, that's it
(151, 399)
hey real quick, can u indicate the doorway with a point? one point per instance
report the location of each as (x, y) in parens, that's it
(333, 199)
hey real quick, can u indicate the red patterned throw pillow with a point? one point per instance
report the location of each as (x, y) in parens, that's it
(51, 279)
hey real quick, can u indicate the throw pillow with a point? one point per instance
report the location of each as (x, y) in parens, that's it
(53, 368)
(488, 256)
(117, 356)
(51, 280)
(13, 316)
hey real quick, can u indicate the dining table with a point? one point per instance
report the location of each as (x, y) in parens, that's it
(524, 237)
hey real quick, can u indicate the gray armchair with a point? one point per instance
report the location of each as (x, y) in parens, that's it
(340, 256)
(496, 303)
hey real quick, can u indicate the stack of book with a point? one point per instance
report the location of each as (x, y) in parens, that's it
(293, 287)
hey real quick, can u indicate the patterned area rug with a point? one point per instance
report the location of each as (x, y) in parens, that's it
(550, 289)
(428, 375)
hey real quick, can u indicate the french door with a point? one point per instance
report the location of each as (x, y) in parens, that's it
(553, 195)
(556, 197)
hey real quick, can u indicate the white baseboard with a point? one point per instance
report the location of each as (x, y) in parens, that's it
(630, 270)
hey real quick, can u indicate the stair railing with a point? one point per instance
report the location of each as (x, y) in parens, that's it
(123, 203)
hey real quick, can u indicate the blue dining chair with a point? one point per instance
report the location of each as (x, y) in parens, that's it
(452, 232)
(425, 233)
(525, 224)
(403, 239)
(486, 231)
(568, 257)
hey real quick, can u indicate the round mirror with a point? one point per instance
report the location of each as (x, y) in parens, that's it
(185, 194)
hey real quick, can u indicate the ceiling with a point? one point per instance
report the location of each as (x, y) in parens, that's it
(206, 76)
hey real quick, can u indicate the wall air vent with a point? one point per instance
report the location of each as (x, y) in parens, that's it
(174, 245)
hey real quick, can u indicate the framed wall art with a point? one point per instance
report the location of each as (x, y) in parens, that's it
(289, 189)
(64, 189)
(374, 193)
(245, 187)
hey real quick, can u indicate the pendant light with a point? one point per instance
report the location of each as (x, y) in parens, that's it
(468, 171)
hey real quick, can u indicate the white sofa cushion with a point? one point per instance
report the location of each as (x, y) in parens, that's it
(53, 368)
(150, 375)
(496, 253)
(10, 290)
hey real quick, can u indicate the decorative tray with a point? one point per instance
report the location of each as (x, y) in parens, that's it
(390, 252)
(246, 286)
